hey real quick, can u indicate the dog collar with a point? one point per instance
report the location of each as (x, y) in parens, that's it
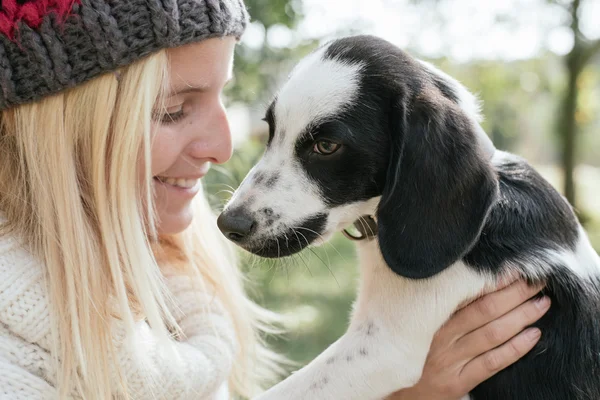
(366, 227)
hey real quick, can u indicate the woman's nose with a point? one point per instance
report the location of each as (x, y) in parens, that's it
(215, 142)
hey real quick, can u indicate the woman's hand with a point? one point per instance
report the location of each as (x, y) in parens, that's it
(478, 341)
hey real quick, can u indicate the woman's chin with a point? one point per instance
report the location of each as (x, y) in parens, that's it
(170, 223)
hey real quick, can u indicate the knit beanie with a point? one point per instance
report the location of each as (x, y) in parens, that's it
(50, 45)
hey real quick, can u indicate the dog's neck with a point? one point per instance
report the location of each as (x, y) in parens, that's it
(379, 284)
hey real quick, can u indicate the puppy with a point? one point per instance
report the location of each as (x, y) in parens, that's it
(361, 131)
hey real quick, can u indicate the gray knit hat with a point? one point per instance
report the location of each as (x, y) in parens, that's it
(50, 45)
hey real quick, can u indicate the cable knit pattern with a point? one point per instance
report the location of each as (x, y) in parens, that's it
(69, 46)
(196, 367)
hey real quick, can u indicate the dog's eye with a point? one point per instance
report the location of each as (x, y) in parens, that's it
(325, 147)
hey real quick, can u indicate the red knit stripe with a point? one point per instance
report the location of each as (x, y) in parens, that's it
(32, 13)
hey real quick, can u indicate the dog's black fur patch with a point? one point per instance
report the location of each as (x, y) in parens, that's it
(529, 218)
(565, 363)
(270, 119)
(357, 170)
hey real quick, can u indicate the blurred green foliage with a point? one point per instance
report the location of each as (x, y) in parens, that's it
(257, 70)
(314, 290)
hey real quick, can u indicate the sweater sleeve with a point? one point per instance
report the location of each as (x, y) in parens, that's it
(198, 311)
(201, 362)
(195, 367)
(188, 372)
(17, 383)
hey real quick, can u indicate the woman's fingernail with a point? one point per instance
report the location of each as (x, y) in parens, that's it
(543, 303)
(533, 334)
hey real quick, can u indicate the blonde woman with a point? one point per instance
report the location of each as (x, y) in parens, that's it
(114, 280)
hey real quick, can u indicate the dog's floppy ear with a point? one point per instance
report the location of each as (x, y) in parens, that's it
(439, 187)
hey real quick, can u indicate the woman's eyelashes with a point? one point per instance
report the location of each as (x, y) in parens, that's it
(169, 115)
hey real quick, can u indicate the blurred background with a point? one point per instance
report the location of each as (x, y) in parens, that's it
(535, 64)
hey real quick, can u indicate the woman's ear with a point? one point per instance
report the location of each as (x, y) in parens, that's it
(439, 187)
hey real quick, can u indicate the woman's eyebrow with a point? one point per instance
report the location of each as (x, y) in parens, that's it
(188, 89)
(200, 88)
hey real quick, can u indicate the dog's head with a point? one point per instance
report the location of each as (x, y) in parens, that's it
(361, 128)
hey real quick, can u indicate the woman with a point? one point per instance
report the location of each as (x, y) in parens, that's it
(114, 280)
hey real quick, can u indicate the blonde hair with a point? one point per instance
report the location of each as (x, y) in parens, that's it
(70, 185)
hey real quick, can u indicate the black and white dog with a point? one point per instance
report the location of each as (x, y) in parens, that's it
(363, 129)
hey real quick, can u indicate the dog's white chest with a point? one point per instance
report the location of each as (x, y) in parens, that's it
(393, 322)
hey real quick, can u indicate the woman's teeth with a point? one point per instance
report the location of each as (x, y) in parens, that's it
(179, 182)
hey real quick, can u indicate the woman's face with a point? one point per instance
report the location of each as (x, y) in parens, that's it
(191, 132)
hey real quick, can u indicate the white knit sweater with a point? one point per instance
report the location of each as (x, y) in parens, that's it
(26, 368)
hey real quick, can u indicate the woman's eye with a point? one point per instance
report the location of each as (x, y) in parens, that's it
(325, 147)
(170, 116)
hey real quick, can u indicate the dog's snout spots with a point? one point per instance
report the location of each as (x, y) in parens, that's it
(272, 180)
(363, 352)
(320, 384)
(349, 358)
(270, 215)
(258, 178)
(330, 360)
(266, 179)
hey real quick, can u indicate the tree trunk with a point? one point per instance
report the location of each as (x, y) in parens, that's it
(568, 127)
(567, 124)
(575, 62)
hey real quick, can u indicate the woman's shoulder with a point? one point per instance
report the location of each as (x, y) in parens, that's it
(24, 308)
(25, 337)
(17, 262)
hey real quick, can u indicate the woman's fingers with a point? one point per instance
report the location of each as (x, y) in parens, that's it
(488, 364)
(490, 307)
(478, 341)
(502, 329)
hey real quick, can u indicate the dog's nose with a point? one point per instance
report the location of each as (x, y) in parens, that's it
(236, 224)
